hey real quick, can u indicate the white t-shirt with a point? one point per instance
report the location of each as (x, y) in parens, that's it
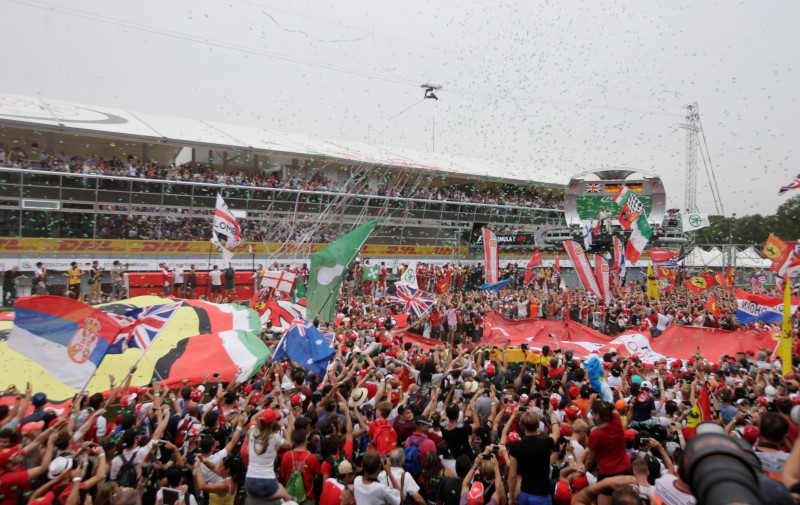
(215, 459)
(138, 454)
(262, 466)
(188, 498)
(772, 461)
(375, 493)
(577, 448)
(671, 495)
(216, 277)
(410, 486)
(179, 275)
(614, 382)
(663, 322)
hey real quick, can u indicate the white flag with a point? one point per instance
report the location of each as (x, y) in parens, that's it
(279, 279)
(409, 277)
(692, 222)
(227, 256)
(225, 223)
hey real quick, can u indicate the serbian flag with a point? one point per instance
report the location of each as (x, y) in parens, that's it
(711, 306)
(225, 223)
(490, 256)
(535, 261)
(700, 283)
(66, 337)
(701, 412)
(582, 267)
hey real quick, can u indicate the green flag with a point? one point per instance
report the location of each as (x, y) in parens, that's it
(372, 272)
(299, 291)
(327, 268)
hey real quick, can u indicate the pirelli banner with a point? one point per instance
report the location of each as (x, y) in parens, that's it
(31, 247)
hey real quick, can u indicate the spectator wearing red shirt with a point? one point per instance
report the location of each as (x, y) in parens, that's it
(607, 446)
(332, 489)
(421, 437)
(300, 460)
(14, 482)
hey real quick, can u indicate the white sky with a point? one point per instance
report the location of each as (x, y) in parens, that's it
(553, 85)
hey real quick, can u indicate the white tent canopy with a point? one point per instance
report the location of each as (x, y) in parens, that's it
(715, 258)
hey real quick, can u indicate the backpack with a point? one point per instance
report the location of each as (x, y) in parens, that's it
(126, 477)
(295, 486)
(385, 437)
(334, 462)
(413, 464)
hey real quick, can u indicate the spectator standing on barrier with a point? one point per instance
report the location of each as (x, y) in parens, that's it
(95, 278)
(230, 282)
(74, 275)
(10, 281)
(178, 280)
(165, 276)
(191, 282)
(117, 280)
(40, 279)
(215, 276)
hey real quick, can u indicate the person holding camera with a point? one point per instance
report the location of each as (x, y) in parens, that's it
(369, 489)
(530, 459)
(473, 493)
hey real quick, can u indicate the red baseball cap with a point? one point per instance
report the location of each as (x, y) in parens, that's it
(490, 371)
(475, 495)
(268, 416)
(573, 412)
(562, 494)
(580, 482)
(750, 433)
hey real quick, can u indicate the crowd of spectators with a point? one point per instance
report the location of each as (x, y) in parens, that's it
(393, 422)
(516, 195)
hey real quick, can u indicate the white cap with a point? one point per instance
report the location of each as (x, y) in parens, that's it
(647, 385)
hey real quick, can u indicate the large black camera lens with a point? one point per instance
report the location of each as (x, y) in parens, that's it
(717, 470)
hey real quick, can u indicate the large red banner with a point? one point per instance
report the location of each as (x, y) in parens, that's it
(676, 342)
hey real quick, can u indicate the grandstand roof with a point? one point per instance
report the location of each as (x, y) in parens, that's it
(47, 114)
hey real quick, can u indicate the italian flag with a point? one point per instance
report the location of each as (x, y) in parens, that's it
(640, 234)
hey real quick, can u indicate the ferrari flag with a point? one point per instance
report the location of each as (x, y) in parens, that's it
(491, 259)
(582, 267)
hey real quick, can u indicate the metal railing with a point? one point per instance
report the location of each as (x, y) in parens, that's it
(90, 195)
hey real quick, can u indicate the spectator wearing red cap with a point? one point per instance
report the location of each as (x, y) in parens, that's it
(530, 459)
(265, 440)
(472, 493)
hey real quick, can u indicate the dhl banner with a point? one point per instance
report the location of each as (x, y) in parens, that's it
(123, 248)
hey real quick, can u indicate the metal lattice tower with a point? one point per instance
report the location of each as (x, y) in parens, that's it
(692, 127)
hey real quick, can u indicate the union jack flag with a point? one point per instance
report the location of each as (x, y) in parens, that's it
(792, 185)
(148, 324)
(301, 324)
(592, 188)
(412, 300)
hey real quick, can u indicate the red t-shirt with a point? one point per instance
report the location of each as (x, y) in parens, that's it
(608, 442)
(12, 484)
(331, 492)
(325, 466)
(303, 462)
(425, 446)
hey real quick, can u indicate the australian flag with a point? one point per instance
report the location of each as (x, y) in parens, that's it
(307, 346)
(412, 300)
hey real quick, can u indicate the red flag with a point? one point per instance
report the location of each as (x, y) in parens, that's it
(662, 255)
(582, 267)
(700, 283)
(700, 412)
(490, 256)
(596, 230)
(711, 306)
(443, 284)
(535, 261)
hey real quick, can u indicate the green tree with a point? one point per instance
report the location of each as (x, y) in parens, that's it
(754, 229)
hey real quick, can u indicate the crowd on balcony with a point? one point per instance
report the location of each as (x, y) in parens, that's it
(517, 195)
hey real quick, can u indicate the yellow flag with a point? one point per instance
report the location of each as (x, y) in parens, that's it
(652, 284)
(785, 345)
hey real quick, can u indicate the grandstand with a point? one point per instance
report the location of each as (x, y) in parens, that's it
(96, 174)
